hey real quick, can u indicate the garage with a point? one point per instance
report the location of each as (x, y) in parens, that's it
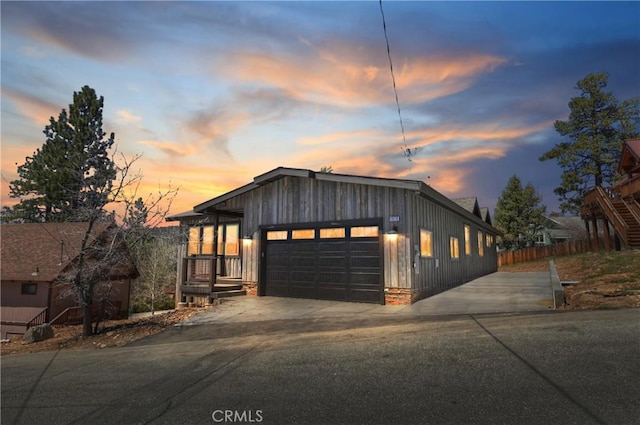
(334, 261)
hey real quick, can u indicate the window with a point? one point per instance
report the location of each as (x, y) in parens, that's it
(467, 240)
(454, 248)
(29, 288)
(480, 243)
(207, 241)
(337, 232)
(426, 243)
(229, 239)
(200, 240)
(303, 234)
(277, 235)
(488, 239)
(364, 232)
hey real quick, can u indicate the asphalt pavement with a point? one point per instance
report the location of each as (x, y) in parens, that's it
(443, 360)
(528, 368)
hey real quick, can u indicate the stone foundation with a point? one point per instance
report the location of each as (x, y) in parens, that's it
(250, 287)
(397, 296)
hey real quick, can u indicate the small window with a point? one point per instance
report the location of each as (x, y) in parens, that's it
(364, 232)
(426, 243)
(29, 288)
(277, 235)
(207, 241)
(454, 248)
(467, 239)
(336, 232)
(303, 234)
(488, 240)
(232, 239)
(200, 240)
(480, 243)
(194, 241)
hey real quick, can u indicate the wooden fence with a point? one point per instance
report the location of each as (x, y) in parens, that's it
(539, 252)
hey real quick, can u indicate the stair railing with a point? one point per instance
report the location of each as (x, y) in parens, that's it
(604, 201)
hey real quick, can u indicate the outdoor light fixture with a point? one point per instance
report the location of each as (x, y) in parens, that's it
(393, 231)
(247, 237)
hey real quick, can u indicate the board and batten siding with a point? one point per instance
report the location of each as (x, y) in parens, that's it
(441, 272)
(302, 200)
(294, 200)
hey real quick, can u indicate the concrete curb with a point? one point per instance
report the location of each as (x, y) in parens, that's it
(556, 287)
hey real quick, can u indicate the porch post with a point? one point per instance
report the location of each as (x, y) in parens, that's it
(589, 243)
(595, 234)
(214, 262)
(607, 236)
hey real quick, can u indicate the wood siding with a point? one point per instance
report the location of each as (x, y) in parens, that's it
(304, 200)
(441, 272)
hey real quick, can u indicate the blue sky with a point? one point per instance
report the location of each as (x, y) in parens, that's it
(215, 93)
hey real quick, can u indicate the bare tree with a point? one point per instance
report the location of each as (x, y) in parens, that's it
(156, 262)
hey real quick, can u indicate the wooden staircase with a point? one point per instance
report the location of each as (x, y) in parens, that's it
(624, 215)
(630, 217)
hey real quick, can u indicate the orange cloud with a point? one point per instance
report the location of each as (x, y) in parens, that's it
(32, 108)
(342, 79)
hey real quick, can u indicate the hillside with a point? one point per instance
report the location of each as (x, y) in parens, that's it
(605, 279)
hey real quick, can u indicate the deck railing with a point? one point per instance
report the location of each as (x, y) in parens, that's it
(74, 315)
(40, 319)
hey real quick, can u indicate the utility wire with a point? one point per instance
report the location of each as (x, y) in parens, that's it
(407, 152)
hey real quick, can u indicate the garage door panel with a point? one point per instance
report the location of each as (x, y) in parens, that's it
(364, 278)
(337, 277)
(302, 261)
(333, 262)
(332, 293)
(347, 269)
(365, 295)
(365, 245)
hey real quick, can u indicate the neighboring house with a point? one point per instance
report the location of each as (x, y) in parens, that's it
(298, 233)
(618, 207)
(560, 229)
(35, 257)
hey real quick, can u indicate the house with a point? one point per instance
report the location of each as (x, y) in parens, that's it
(557, 229)
(299, 233)
(618, 207)
(35, 258)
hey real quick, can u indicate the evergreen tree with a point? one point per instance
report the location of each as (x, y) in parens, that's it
(72, 174)
(597, 126)
(519, 215)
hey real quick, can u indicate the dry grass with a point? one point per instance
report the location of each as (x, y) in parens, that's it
(115, 333)
(605, 279)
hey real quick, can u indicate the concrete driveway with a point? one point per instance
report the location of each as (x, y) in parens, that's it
(499, 292)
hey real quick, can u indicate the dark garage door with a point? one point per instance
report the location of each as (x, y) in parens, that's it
(327, 263)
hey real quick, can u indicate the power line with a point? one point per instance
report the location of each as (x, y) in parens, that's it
(407, 151)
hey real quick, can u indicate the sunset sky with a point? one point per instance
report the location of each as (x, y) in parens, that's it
(215, 93)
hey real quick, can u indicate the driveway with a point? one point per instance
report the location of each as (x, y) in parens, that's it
(499, 292)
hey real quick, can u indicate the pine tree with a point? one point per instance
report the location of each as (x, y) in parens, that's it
(519, 214)
(597, 126)
(72, 174)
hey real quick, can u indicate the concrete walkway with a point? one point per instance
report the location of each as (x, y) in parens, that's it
(499, 292)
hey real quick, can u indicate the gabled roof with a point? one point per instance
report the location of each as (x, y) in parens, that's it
(218, 205)
(39, 252)
(486, 217)
(630, 157)
(469, 204)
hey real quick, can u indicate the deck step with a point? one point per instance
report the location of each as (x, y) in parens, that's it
(225, 294)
